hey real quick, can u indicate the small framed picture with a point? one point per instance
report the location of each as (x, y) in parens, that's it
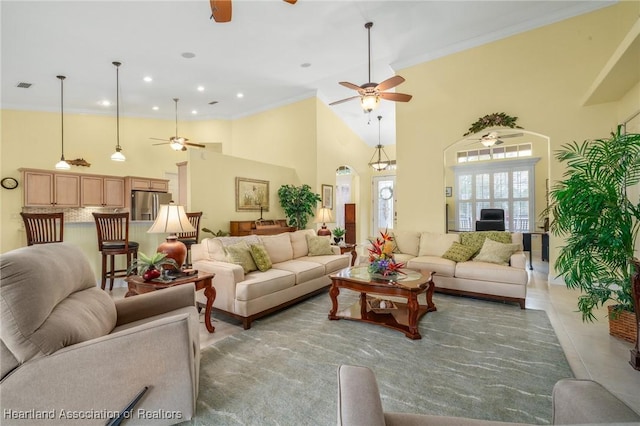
(327, 196)
(448, 191)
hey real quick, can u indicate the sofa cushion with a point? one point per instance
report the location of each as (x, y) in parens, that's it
(299, 242)
(278, 246)
(407, 241)
(303, 271)
(260, 257)
(240, 254)
(215, 246)
(434, 244)
(476, 239)
(437, 264)
(258, 284)
(331, 263)
(490, 272)
(495, 252)
(458, 252)
(319, 245)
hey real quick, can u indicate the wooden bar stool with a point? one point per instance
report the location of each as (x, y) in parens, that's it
(191, 238)
(113, 240)
(43, 228)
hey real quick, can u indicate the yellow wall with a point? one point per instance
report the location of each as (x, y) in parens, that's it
(540, 76)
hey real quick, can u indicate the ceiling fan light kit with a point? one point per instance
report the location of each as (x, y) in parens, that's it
(379, 160)
(118, 155)
(62, 164)
(371, 93)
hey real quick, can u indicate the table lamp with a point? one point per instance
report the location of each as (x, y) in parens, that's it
(172, 220)
(323, 215)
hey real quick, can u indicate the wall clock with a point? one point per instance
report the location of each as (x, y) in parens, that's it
(9, 183)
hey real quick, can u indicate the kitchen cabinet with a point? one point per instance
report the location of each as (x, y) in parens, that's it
(50, 189)
(102, 191)
(146, 184)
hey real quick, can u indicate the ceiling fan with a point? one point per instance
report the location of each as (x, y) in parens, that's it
(371, 93)
(176, 142)
(492, 138)
(221, 9)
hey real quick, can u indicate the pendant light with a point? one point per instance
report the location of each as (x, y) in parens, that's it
(62, 164)
(117, 156)
(379, 160)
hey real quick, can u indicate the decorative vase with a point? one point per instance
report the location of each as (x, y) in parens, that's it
(623, 326)
(337, 239)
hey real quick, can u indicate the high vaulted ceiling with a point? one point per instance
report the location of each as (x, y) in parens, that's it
(272, 52)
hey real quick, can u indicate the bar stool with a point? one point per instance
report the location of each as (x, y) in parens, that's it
(113, 239)
(43, 228)
(191, 238)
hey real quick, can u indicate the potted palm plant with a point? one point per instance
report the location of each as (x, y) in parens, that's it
(150, 267)
(592, 208)
(298, 203)
(338, 234)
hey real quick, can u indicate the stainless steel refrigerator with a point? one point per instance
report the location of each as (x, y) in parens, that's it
(145, 205)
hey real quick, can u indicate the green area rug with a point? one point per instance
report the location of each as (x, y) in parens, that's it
(477, 359)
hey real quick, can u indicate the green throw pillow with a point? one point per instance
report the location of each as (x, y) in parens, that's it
(318, 246)
(475, 240)
(458, 252)
(494, 252)
(240, 254)
(260, 257)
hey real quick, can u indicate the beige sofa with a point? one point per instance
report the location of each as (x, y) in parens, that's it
(424, 251)
(573, 402)
(295, 273)
(69, 354)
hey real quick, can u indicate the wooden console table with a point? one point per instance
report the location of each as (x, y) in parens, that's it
(240, 228)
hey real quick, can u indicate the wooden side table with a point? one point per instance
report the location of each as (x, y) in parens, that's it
(202, 280)
(348, 248)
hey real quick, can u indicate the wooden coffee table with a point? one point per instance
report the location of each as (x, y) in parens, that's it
(403, 316)
(202, 280)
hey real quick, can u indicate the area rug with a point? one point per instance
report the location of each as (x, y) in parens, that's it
(477, 359)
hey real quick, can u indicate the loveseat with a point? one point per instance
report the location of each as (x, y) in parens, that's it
(257, 275)
(463, 265)
(70, 354)
(574, 401)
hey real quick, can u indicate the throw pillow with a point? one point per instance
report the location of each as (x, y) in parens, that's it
(458, 252)
(260, 257)
(495, 252)
(319, 246)
(240, 254)
(476, 239)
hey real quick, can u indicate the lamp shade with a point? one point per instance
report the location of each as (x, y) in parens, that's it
(323, 215)
(171, 220)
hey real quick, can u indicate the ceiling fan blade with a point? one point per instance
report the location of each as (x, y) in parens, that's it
(344, 100)
(158, 139)
(221, 10)
(198, 145)
(397, 97)
(390, 83)
(498, 142)
(513, 135)
(154, 144)
(291, 1)
(350, 85)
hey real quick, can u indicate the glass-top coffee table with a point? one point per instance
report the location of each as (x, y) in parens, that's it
(398, 316)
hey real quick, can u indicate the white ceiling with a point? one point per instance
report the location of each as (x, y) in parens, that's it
(259, 53)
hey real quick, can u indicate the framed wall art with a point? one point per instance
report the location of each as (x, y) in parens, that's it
(327, 196)
(252, 194)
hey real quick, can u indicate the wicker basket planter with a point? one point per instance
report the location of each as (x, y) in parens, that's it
(624, 326)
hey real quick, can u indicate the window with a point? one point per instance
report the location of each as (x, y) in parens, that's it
(494, 153)
(506, 184)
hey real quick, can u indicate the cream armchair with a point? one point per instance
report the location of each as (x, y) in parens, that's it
(69, 354)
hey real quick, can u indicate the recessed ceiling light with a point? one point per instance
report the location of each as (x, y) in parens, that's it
(188, 55)
(194, 112)
(240, 95)
(305, 65)
(105, 103)
(200, 88)
(148, 79)
(155, 108)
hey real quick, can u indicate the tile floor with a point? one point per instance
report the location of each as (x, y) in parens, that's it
(592, 353)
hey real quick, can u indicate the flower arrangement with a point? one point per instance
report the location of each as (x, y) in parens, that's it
(497, 119)
(381, 256)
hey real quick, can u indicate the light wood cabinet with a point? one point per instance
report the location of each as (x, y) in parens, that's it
(102, 191)
(145, 184)
(50, 189)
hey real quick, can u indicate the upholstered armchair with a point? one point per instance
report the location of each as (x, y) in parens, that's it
(490, 220)
(69, 351)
